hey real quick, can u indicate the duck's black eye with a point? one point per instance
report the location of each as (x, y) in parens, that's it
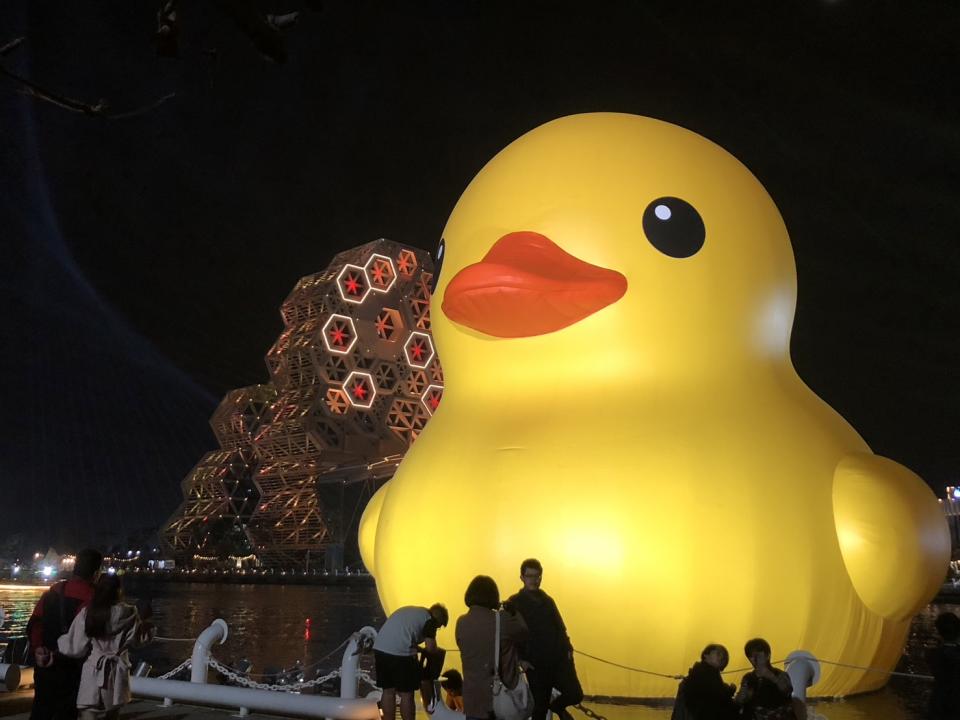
(674, 227)
(437, 264)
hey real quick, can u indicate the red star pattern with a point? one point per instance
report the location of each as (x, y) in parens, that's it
(379, 272)
(417, 350)
(383, 326)
(359, 390)
(352, 284)
(405, 263)
(434, 400)
(338, 336)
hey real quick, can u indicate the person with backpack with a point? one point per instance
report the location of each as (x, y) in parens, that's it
(57, 678)
(100, 635)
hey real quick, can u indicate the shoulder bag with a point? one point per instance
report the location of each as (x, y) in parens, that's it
(509, 704)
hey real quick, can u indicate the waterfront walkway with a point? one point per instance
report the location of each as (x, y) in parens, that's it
(17, 706)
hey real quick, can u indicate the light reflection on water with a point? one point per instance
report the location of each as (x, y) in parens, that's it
(267, 627)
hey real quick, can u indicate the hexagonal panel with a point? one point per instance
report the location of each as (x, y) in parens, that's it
(335, 368)
(339, 334)
(337, 401)
(381, 275)
(406, 419)
(361, 389)
(431, 398)
(418, 350)
(407, 263)
(417, 382)
(389, 324)
(386, 376)
(352, 284)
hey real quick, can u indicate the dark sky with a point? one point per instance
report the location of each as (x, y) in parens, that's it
(144, 260)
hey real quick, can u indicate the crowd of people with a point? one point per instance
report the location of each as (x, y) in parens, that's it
(81, 630)
(533, 647)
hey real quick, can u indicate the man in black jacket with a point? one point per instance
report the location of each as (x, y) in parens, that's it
(547, 654)
(703, 695)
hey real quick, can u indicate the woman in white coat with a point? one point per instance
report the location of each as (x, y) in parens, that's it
(102, 632)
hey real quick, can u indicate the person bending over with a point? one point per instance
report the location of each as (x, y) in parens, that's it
(395, 655)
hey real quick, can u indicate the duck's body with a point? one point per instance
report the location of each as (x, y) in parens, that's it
(658, 454)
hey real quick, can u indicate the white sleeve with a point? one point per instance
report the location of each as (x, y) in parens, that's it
(75, 642)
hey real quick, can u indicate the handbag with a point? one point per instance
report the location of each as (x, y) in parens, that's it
(509, 704)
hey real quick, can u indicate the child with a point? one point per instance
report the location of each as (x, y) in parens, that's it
(452, 683)
(101, 633)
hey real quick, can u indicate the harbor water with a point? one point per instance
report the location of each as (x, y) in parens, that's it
(277, 627)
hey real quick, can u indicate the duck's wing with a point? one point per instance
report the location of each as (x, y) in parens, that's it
(367, 534)
(892, 532)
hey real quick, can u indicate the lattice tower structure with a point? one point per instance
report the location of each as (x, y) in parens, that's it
(354, 378)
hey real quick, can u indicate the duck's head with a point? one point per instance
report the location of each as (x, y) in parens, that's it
(611, 246)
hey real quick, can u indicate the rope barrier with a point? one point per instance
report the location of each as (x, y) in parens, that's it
(892, 673)
(627, 667)
(879, 670)
(747, 669)
(245, 678)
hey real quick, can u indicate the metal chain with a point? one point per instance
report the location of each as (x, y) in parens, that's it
(365, 676)
(185, 664)
(229, 673)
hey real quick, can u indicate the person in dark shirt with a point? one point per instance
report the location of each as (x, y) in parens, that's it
(766, 693)
(944, 661)
(702, 694)
(547, 654)
(57, 677)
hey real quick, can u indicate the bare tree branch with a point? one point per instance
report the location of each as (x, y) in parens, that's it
(10, 46)
(99, 109)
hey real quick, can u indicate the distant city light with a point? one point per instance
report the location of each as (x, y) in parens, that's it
(47, 571)
(111, 570)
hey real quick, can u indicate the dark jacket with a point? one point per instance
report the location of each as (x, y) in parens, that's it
(547, 645)
(475, 632)
(766, 699)
(704, 696)
(56, 609)
(944, 661)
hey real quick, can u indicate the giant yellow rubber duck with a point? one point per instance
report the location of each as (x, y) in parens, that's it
(613, 314)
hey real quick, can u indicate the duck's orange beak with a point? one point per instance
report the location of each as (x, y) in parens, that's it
(528, 285)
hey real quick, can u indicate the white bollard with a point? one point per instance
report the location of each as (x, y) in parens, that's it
(804, 671)
(361, 639)
(216, 633)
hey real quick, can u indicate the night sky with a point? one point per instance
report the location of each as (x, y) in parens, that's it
(145, 259)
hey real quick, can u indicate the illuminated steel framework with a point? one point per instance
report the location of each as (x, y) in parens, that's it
(353, 380)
